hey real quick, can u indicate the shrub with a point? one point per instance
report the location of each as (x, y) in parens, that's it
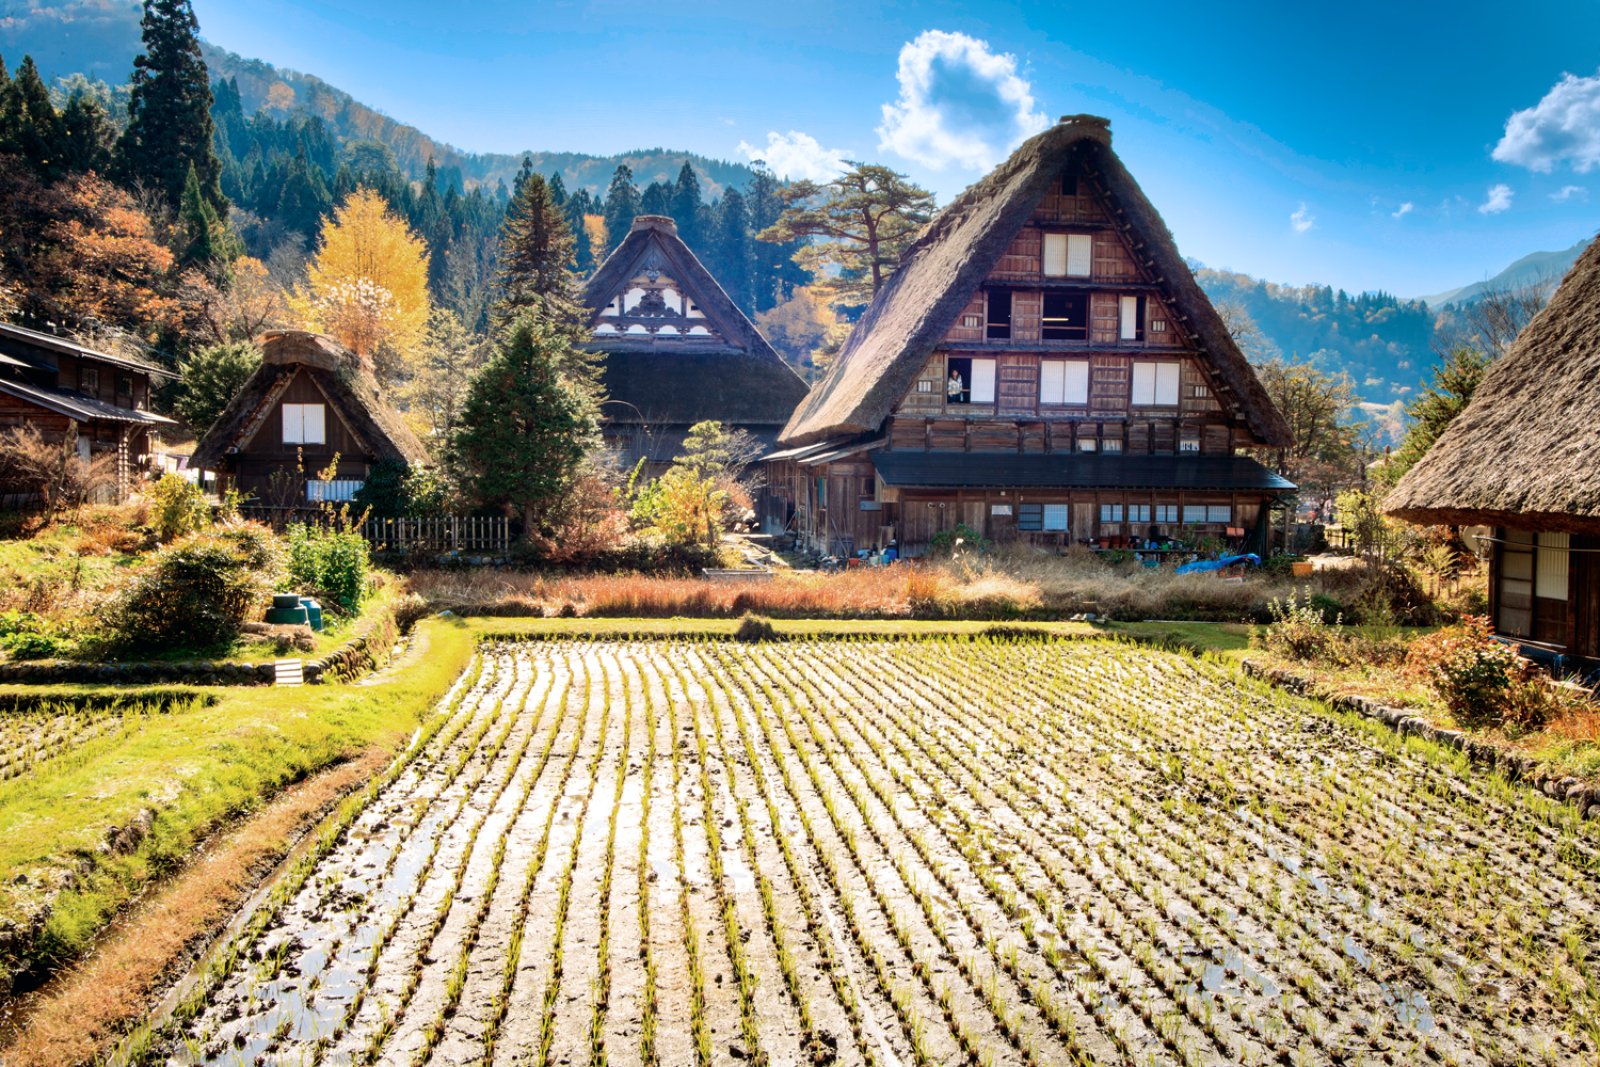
(1472, 673)
(199, 591)
(177, 507)
(753, 627)
(960, 536)
(330, 563)
(25, 635)
(395, 489)
(1300, 630)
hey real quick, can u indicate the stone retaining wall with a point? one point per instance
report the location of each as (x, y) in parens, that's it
(1514, 765)
(365, 651)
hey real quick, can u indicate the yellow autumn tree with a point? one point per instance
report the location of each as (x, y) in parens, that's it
(367, 285)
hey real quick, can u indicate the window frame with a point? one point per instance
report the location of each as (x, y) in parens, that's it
(295, 414)
(1165, 378)
(1074, 373)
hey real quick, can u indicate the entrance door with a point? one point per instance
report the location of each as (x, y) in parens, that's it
(1082, 521)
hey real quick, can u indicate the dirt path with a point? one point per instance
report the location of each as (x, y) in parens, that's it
(917, 852)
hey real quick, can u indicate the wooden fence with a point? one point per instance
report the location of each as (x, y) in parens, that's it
(436, 533)
(439, 533)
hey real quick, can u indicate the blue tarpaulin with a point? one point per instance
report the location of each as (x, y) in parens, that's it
(1200, 566)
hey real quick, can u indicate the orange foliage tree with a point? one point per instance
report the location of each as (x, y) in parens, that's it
(80, 253)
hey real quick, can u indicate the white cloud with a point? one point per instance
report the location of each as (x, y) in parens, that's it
(1499, 200)
(1302, 220)
(1570, 192)
(960, 103)
(1403, 210)
(1564, 127)
(797, 155)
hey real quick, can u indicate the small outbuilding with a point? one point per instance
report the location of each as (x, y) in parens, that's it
(1523, 460)
(310, 400)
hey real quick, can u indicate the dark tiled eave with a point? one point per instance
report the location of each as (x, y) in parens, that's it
(1081, 470)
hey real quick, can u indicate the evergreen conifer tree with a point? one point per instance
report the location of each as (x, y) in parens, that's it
(524, 428)
(686, 209)
(773, 269)
(535, 264)
(621, 208)
(34, 132)
(89, 135)
(169, 113)
(730, 248)
(656, 199)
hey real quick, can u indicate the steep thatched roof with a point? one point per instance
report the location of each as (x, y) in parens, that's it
(1526, 451)
(959, 248)
(344, 379)
(671, 389)
(735, 377)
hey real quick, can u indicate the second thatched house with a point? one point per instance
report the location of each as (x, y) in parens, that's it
(310, 400)
(1524, 460)
(1042, 367)
(678, 351)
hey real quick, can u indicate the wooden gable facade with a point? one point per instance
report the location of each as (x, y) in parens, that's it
(1065, 391)
(678, 351)
(310, 403)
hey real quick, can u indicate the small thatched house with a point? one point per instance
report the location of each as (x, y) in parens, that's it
(1524, 459)
(310, 399)
(1042, 367)
(678, 350)
(63, 388)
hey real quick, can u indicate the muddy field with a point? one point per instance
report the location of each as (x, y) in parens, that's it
(910, 852)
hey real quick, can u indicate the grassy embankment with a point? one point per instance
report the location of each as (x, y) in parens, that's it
(185, 771)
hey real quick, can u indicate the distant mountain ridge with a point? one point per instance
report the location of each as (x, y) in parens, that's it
(1542, 268)
(99, 39)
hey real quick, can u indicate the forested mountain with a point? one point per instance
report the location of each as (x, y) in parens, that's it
(99, 38)
(1380, 340)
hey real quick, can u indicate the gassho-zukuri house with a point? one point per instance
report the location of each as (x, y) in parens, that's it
(1523, 460)
(310, 400)
(678, 351)
(1042, 367)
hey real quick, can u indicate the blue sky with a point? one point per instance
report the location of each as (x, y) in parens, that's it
(1283, 140)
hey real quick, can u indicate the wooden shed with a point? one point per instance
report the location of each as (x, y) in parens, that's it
(310, 400)
(1523, 459)
(1043, 368)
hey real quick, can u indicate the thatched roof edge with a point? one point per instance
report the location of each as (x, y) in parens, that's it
(910, 316)
(1526, 451)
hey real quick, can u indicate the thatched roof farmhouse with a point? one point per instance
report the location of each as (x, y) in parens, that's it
(1043, 367)
(678, 350)
(310, 398)
(1524, 460)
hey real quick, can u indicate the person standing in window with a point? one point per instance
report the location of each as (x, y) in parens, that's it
(955, 390)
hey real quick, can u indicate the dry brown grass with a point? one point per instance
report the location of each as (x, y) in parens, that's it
(1000, 586)
(78, 1015)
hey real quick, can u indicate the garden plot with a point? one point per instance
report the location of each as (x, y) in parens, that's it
(911, 852)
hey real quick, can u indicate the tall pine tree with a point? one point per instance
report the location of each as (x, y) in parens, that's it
(535, 263)
(169, 113)
(730, 248)
(33, 131)
(687, 210)
(622, 206)
(524, 427)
